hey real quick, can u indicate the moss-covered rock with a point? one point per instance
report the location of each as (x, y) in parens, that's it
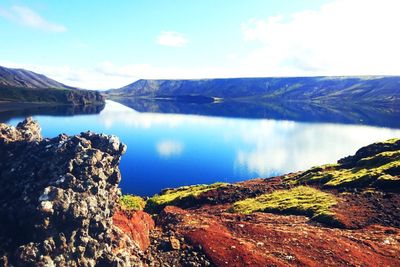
(388, 182)
(132, 203)
(376, 165)
(301, 200)
(185, 196)
(370, 151)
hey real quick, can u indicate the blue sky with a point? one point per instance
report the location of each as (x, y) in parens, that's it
(104, 44)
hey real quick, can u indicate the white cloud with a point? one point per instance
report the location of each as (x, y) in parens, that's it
(27, 17)
(172, 39)
(169, 148)
(343, 37)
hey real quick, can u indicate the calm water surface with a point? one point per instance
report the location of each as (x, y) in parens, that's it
(170, 150)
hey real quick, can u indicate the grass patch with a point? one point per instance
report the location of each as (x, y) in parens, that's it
(301, 200)
(132, 203)
(183, 196)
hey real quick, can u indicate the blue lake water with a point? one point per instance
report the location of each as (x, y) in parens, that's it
(170, 150)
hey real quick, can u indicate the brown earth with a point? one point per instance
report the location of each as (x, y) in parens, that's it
(368, 235)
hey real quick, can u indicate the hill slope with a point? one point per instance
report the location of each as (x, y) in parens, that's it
(24, 78)
(360, 89)
(18, 85)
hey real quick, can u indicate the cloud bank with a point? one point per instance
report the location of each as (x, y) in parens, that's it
(342, 37)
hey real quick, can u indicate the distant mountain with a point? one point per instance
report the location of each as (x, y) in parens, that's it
(27, 79)
(353, 89)
(19, 85)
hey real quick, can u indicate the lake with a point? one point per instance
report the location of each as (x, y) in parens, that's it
(170, 146)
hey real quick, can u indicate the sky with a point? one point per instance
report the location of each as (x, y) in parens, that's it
(100, 44)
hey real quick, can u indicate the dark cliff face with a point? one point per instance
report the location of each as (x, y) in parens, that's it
(355, 89)
(84, 97)
(57, 199)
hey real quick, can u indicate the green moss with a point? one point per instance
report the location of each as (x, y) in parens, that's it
(130, 202)
(182, 196)
(392, 141)
(388, 177)
(379, 159)
(365, 172)
(301, 200)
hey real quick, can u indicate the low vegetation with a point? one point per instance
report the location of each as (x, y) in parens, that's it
(182, 196)
(132, 203)
(376, 165)
(301, 200)
(50, 96)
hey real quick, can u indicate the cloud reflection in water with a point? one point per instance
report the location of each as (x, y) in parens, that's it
(260, 148)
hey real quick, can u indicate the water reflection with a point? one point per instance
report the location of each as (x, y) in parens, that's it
(9, 110)
(364, 114)
(201, 149)
(169, 150)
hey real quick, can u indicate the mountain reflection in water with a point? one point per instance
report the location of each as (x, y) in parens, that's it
(367, 114)
(9, 111)
(170, 150)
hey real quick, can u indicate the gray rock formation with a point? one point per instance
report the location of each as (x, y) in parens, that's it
(57, 199)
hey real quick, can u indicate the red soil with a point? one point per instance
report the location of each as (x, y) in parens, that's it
(369, 234)
(137, 225)
(264, 239)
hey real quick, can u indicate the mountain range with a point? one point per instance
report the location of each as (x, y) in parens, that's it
(19, 85)
(23, 86)
(321, 89)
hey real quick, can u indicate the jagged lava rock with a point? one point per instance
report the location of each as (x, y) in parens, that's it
(57, 199)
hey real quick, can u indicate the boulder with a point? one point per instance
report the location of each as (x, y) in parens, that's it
(58, 197)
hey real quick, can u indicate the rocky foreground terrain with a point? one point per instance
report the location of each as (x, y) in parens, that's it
(61, 206)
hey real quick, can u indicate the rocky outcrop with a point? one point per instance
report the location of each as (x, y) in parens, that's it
(370, 151)
(57, 199)
(28, 131)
